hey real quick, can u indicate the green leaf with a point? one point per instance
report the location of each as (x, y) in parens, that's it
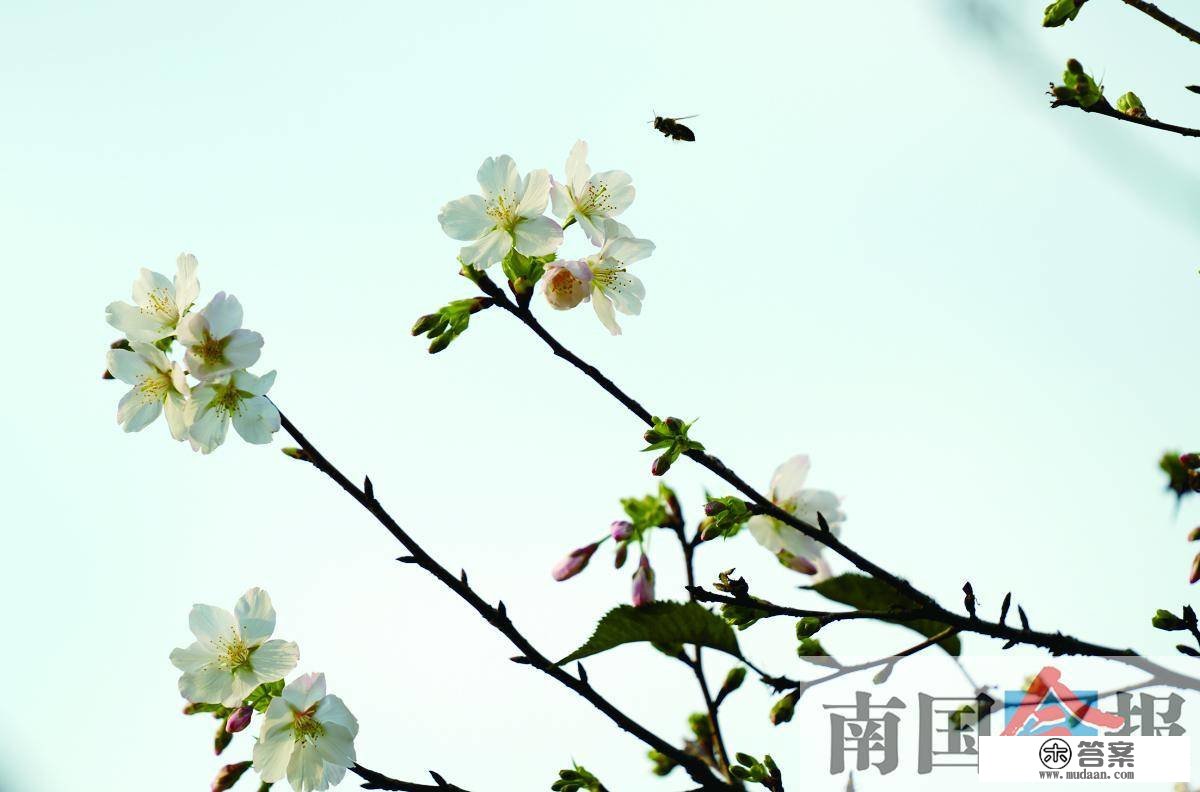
(260, 697)
(867, 593)
(659, 623)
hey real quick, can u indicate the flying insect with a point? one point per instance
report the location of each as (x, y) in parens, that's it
(673, 129)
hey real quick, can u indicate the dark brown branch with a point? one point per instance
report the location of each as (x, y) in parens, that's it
(1156, 13)
(783, 683)
(374, 780)
(1103, 108)
(1056, 643)
(498, 617)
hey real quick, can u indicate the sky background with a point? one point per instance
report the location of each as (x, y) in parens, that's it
(884, 250)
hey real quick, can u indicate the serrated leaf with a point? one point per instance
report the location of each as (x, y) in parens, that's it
(867, 593)
(662, 623)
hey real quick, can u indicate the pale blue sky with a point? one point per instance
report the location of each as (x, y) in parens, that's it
(976, 314)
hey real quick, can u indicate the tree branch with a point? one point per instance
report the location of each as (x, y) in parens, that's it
(374, 780)
(1155, 13)
(1103, 108)
(498, 617)
(1056, 643)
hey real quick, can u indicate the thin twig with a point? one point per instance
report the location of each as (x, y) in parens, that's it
(498, 618)
(1154, 12)
(374, 780)
(1102, 107)
(782, 683)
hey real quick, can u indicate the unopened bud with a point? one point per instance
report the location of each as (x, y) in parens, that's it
(796, 563)
(1195, 575)
(1165, 620)
(1190, 461)
(239, 720)
(574, 563)
(296, 453)
(643, 583)
(1062, 93)
(653, 436)
(733, 681)
(228, 775)
(621, 530)
(479, 303)
(674, 424)
(1194, 534)
(1074, 66)
(426, 322)
(661, 465)
(784, 709)
(222, 739)
(808, 627)
(440, 343)
(621, 555)
(714, 507)
(1129, 104)
(562, 289)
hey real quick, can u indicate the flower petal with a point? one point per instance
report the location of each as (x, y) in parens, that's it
(193, 657)
(128, 366)
(465, 219)
(275, 743)
(628, 250)
(336, 745)
(153, 292)
(499, 175)
(208, 429)
(537, 236)
(788, 479)
(243, 349)
(560, 200)
(627, 292)
(616, 187)
(175, 410)
(304, 691)
(257, 421)
(212, 626)
(137, 326)
(254, 385)
(577, 167)
(135, 411)
(255, 616)
(604, 310)
(493, 247)
(306, 769)
(274, 660)
(591, 230)
(224, 314)
(535, 194)
(333, 710)
(187, 286)
(207, 685)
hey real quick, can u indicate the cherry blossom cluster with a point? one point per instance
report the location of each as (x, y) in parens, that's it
(234, 669)
(216, 353)
(507, 219)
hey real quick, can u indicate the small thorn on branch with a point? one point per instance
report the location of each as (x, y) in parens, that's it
(436, 777)
(1004, 606)
(969, 599)
(462, 575)
(368, 488)
(1024, 618)
(500, 609)
(822, 522)
(582, 674)
(408, 560)
(1009, 645)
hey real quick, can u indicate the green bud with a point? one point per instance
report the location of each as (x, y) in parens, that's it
(1074, 67)
(661, 465)
(745, 759)
(228, 775)
(733, 681)
(1165, 620)
(785, 708)
(701, 726)
(1061, 12)
(807, 627)
(440, 343)
(222, 739)
(296, 453)
(1129, 104)
(663, 764)
(740, 772)
(425, 323)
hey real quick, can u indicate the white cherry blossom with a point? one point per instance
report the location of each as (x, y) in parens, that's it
(307, 736)
(159, 386)
(159, 303)
(612, 286)
(232, 654)
(566, 284)
(239, 398)
(509, 214)
(788, 493)
(590, 198)
(215, 342)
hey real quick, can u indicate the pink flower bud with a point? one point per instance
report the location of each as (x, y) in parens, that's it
(566, 284)
(621, 530)
(229, 775)
(574, 563)
(622, 552)
(643, 583)
(796, 563)
(239, 720)
(1195, 575)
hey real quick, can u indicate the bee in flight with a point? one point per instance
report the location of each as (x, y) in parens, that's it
(673, 129)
